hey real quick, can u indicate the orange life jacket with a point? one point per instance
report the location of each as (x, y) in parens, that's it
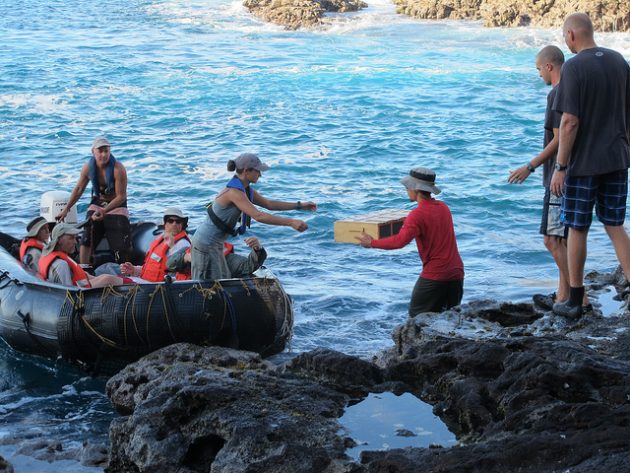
(154, 267)
(29, 243)
(79, 277)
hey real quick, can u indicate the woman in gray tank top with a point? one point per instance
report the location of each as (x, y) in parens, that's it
(233, 204)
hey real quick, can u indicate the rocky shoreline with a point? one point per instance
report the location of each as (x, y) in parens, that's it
(295, 14)
(611, 15)
(520, 388)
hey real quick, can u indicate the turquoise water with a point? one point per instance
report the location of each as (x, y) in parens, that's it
(340, 113)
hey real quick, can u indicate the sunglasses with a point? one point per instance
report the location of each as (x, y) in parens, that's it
(173, 220)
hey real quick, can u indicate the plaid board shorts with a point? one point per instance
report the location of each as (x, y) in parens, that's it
(581, 193)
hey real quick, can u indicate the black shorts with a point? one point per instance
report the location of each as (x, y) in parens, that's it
(435, 296)
(115, 227)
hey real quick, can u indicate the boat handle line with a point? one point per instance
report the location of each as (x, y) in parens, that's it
(26, 318)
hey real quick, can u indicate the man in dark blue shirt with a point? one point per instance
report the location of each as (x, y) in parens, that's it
(594, 150)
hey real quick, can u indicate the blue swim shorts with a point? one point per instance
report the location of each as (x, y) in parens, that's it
(581, 193)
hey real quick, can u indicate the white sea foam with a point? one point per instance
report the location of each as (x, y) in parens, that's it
(222, 15)
(35, 103)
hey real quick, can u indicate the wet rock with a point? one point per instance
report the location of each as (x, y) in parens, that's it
(49, 450)
(196, 409)
(95, 455)
(606, 15)
(5, 466)
(556, 399)
(342, 372)
(134, 384)
(294, 14)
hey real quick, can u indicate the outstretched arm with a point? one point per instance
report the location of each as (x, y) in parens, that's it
(77, 192)
(519, 175)
(282, 205)
(239, 199)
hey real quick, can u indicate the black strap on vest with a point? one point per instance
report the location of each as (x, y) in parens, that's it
(221, 225)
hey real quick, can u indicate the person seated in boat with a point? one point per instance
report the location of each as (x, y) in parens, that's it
(57, 266)
(174, 239)
(107, 214)
(33, 243)
(239, 266)
(236, 201)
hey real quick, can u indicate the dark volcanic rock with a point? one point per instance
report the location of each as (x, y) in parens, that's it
(609, 15)
(523, 390)
(5, 466)
(344, 372)
(294, 14)
(200, 408)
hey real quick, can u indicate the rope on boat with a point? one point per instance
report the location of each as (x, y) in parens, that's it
(227, 298)
(5, 275)
(109, 290)
(166, 303)
(131, 300)
(286, 329)
(209, 293)
(159, 289)
(78, 309)
(245, 285)
(263, 285)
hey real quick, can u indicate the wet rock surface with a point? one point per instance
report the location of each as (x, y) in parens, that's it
(526, 391)
(611, 15)
(5, 466)
(40, 446)
(294, 14)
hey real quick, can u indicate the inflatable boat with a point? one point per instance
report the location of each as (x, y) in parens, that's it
(103, 329)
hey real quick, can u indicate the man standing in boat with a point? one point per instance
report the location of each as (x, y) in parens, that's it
(107, 214)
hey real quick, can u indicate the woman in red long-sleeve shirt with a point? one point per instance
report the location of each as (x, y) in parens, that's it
(441, 282)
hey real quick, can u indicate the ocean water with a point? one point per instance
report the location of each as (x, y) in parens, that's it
(340, 113)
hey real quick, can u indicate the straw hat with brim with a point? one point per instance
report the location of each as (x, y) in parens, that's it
(176, 212)
(60, 230)
(34, 226)
(421, 179)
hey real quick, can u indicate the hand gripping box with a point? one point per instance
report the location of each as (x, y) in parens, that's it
(380, 224)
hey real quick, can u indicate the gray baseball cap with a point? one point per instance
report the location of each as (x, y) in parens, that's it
(250, 161)
(99, 142)
(421, 179)
(60, 230)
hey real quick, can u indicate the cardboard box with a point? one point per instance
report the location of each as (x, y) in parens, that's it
(380, 224)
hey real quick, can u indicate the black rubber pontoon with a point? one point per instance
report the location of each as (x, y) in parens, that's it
(113, 326)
